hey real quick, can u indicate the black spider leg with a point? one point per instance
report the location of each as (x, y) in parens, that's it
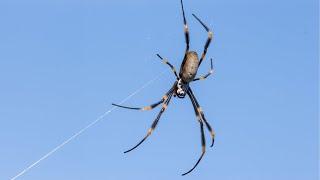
(150, 107)
(200, 113)
(210, 35)
(203, 141)
(186, 29)
(203, 77)
(187, 36)
(155, 122)
(165, 61)
(143, 108)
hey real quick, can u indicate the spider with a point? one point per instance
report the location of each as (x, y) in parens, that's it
(180, 88)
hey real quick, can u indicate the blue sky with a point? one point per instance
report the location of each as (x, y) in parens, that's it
(62, 64)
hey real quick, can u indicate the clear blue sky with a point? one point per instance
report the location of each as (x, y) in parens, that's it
(62, 64)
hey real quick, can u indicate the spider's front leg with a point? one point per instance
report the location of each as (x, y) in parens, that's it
(164, 101)
(200, 114)
(150, 107)
(201, 119)
(203, 149)
(155, 122)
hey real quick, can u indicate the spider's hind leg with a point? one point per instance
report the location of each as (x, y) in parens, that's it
(210, 36)
(186, 29)
(173, 69)
(207, 75)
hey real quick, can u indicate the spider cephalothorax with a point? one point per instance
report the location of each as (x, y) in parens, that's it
(187, 74)
(181, 89)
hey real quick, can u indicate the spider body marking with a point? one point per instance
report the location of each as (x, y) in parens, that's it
(181, 88)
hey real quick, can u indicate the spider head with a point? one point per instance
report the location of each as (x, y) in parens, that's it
(181, 89)
(181, 93)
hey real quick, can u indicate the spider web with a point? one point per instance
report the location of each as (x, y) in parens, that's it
(75, 135)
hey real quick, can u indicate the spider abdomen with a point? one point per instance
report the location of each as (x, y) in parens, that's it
(189, 67)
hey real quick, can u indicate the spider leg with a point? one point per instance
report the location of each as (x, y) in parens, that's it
(203, 145)
(200, 114)
(155, 122)
(150, 107)
(165, 61)
(210, 35)
(185, 28)
(205, 76)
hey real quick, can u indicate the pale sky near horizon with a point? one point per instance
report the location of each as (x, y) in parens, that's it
(63, 62)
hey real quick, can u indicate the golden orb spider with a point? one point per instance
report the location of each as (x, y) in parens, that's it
(180, 88)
